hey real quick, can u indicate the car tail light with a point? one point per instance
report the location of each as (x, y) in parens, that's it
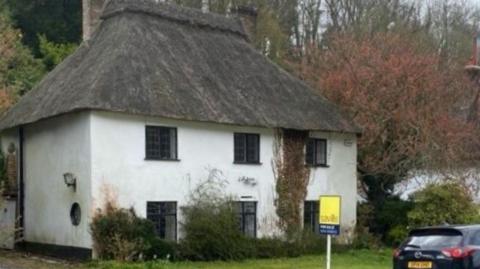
(396, 252)
(457, 253)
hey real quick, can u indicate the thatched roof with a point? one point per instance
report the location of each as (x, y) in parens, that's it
(157, 59)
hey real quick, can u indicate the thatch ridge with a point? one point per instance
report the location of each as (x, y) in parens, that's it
(181, 15)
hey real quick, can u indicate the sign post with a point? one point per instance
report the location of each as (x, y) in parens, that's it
(329, 220)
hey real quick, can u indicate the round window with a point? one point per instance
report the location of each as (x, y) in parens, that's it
(75, 214)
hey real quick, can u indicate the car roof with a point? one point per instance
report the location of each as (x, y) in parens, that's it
(460, 228)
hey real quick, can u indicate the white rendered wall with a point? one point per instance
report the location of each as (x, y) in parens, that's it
(340, 178)
(107, 151)
(118, 152)
(51, 148)
(119, 165)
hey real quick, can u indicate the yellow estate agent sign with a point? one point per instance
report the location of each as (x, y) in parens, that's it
(329, 215)
(329, 220)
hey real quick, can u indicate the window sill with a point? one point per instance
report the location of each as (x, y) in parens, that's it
(165, 160)
(318, 165)
(247, 163)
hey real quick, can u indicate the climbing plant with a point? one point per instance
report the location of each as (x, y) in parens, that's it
(292, 178)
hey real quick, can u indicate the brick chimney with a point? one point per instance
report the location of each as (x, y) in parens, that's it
(248, 16)
(92, 10)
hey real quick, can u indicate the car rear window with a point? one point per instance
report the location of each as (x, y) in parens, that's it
(433, 239)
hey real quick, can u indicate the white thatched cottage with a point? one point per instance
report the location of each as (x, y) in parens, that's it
(154, 99)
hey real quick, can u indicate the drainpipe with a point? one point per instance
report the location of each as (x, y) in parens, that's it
(21, 196)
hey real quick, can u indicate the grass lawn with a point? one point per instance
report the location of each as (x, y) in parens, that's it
(358, 259)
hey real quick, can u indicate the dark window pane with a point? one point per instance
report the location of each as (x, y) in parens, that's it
(164, 217)
(249, 228)
(240, 145)
(170, 227)
(247, 218)
(310, 217)
(161, 142)
(316, 152)
(249, 207)
(252, 148)
(173, 143)
(246, 148)
(165, 143)
(310, 152)
(321, 151)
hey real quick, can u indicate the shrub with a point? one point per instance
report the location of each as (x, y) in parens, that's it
(382, 224)
(397, 235)
(161, 249)
(310, 243)
(447, 203)
(364, 238)
(274, 247)
(267, 248)
(119, 234)
(211, 233)
(393, 218)
(394, 212)
(210, 226)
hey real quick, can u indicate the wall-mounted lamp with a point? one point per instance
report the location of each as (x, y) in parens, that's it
(70, 180)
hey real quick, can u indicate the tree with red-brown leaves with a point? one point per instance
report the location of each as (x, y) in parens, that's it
(409, 105)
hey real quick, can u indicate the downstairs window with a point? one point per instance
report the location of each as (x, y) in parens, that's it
(310, 217)
(164, 217)
(247, 218)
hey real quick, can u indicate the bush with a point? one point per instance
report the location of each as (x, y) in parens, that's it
(210, 226)
(161, 249)
(311, 243)
(394, 213)
(397, 235)
(393, 217)
(364, 238)
(387, 221)
(438, 204)
(211, 233)
(268, 248)
(119, 234)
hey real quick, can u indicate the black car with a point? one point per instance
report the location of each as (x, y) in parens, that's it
(448, 247)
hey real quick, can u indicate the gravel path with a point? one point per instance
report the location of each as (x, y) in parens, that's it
(20, 260)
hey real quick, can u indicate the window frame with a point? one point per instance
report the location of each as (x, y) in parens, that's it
(243, 216)
(315, 145)
(160, 215)
(158, 158)
(245, 150)
(313, 210)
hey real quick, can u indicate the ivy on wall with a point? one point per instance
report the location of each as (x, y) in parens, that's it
(292, 178)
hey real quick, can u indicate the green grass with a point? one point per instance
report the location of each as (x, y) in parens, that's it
(355, 259)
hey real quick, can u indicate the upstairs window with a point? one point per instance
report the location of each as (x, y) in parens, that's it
(161, 143)
(310, 217)
(316, 152)
(247, 218)
(246, 148)
(164, 217)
